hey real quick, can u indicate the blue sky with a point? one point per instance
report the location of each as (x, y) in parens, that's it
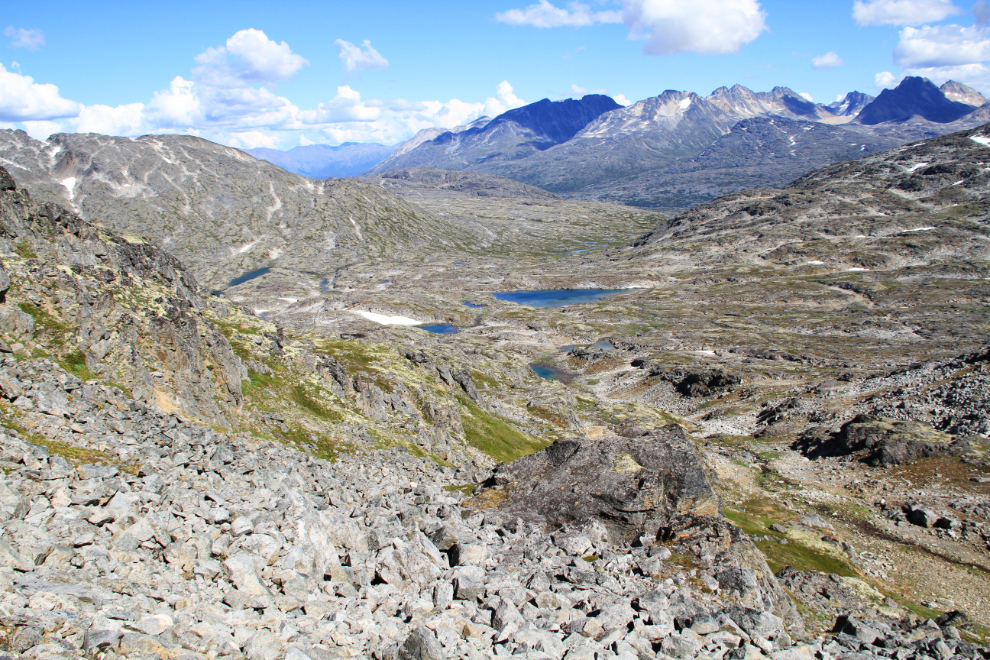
(264, 74)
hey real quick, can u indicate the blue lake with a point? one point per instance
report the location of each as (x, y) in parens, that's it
(548, 372)
(440, 328)
(472, 305)
(556, 297)
(604, 345)
(247, 277)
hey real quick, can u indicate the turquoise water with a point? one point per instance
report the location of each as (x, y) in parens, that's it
(548, 372)
(440, 328)
(556, 297)
(250, 275)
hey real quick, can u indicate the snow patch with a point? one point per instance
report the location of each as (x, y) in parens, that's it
(916, 167)
(920, 229)
(290, 300)
(685, 104)
(959, 181)
(816, 263)
(386, 320)
(981, 139)
(70, 185)
(857, 270)
(357, 229)
(247, 248)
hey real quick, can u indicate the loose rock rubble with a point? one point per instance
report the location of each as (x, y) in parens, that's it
(126, 532)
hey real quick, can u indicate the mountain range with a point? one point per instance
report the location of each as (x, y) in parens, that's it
(322, 161)
(659, 139)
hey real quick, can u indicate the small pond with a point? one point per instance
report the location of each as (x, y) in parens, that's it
(440, 328)
(556, 297)
(550, 372)
(603, 345)
(250, 275)
(472, 305)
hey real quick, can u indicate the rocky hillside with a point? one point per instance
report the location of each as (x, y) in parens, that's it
(220, 211)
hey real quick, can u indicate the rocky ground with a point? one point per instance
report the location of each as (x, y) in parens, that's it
(761, 447)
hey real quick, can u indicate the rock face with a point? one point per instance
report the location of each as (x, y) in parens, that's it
(886, 441)
(634, 486)
(123, 307)
(913, 96)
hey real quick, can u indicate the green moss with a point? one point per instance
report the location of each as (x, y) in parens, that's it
(75, 363)
(24, 251)
(302, 397)
(54, 331)
(494, 435)
(467, 489)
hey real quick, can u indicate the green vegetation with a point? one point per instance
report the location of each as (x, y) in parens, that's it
(495, 436)
(56, 333)
(24, 251)
(75, 363)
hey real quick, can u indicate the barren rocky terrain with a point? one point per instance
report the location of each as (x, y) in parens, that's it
(771, 441)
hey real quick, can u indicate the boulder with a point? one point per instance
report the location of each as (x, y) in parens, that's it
(631, 485)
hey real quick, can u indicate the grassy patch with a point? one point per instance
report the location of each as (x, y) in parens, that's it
(56, 332)
(75, 363)
(755, 519)
(467, 489)
(495, 436)
(301, 396)
(24, 251)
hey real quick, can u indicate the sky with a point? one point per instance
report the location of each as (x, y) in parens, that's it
(262, 74)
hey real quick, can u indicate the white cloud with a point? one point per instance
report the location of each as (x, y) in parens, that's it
(806, 96)
(345, 107)
(942, 45)
(902, 12)
(22, 99)
(621, 99)
(709, 27)
(21, 38)
(41, 130)
(884, 79)
(578, 91)
(975, 75)
(546, 15)
(827, 61)
(252, 140)
(121, 120)
(248, 57)
(360, 58)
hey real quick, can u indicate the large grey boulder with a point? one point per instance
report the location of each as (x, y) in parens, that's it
(632, 485)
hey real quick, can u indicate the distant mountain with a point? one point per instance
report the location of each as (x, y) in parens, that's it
(322, 161)
(512, 135)
(914, 96)
(851, 105)
(961, 93)
(679, 149)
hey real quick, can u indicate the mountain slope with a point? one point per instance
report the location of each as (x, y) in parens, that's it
(512, 135)
(221, 211)
(913, 96)
(322, 161)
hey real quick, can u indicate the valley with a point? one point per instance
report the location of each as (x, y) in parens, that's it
(227, 434)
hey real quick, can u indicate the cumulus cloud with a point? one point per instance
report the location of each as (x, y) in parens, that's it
(975, 75)
(827, 61)
(942, 45)
(345, 107)
(21, 38)
(40, 130)
(709, 27)
(806, 96)
(22, 99)
(249, 56)
(546, 15)
(902, 12)
(622, 100)
(884, 79)
(360, 58)
(119, 120)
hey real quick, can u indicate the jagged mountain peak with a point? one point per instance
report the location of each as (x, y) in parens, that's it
(956, 91)
(850, 105)
(914, 96)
